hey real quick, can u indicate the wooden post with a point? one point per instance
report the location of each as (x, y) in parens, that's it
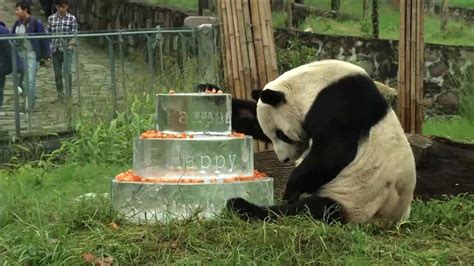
(248, 48)
(289, 14)
(444, 15)
(410, 67)
(375, 19)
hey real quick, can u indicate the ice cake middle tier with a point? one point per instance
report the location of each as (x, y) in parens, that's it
(207, 158)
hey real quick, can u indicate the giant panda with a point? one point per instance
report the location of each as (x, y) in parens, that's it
(359, 166)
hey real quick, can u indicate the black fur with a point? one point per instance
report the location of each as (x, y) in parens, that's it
(340, 117)
(244, 113)
(319, 208)
(244, 119)
(206, 87)
(271, 97)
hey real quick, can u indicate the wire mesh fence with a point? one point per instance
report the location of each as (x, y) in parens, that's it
(102, 75)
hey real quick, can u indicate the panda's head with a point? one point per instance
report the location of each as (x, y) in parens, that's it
(282, 123)
(284, 103)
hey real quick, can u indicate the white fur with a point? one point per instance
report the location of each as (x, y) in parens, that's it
(379, 183)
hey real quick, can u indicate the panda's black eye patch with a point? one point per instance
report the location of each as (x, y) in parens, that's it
(283, 137)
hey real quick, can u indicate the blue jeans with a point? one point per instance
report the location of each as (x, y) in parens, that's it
(2, 86)
(29, 84)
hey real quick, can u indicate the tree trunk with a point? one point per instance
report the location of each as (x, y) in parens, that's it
(335, 5)
(444, 15)
(365, 6)
(277, 5)
(289, 16)
(375, 19)
(202, 4)
(430, 5)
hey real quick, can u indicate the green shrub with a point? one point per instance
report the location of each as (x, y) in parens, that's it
(295, 54)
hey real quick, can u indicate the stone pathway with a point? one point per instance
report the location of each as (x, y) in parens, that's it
(91, 76)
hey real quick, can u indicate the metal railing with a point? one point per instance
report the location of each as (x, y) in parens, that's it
(160, 51)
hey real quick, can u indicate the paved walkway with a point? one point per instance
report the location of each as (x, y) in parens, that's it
(91, 77)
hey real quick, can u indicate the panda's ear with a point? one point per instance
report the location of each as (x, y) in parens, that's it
(256, 94)
(271, 97)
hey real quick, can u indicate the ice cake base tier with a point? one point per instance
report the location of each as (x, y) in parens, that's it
(162, 202)
(199, 157)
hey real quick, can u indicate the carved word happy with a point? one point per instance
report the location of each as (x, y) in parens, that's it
(205, 163)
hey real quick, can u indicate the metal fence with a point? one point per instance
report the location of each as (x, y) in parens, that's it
(106, 69)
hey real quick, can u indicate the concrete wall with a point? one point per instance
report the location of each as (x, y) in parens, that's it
(124, 14)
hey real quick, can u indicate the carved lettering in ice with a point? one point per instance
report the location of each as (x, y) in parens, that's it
(205, 163)
(190, 162)
(220, 163)
(176, 162)
(183, 117)
(232, 161)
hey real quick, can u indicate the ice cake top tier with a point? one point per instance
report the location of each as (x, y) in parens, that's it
(194, 113)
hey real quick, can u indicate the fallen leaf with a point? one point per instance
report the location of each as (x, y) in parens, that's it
(89, 257)
(109, 259)
(114, 226)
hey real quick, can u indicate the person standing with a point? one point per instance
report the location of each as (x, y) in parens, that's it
(62, 23)
(5, 60)
(31, 51)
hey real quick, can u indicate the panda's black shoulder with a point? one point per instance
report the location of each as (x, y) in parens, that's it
(347, 106)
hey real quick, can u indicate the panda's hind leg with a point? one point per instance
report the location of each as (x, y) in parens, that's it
(319, 208)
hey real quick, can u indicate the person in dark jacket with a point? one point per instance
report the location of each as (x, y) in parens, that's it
(5, 60)
(31, 51)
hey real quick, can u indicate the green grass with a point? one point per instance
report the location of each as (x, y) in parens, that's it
(357, 4)
(460, 3)
(457, 128)
(42, 223)
(184, 4)
(457, 33)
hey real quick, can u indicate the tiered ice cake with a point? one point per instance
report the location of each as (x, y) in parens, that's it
(191, 164)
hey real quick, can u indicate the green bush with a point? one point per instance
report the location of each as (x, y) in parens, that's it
(467, 96)
(108, 141)
(295, 54)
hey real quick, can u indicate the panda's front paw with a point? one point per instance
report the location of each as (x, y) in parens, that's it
(245, 210)
(291, 194)
(207, 87)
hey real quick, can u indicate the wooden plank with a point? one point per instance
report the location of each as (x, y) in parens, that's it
(421, 58)
(257, 36)
(273, 57)
(401, 64)
(407, 65)
(250, 47)
(245, 74)
(233, 49)
(413, 67)
(222, 43)
(236, 40)
(266, 41)
(270, 55)
(228, 54)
